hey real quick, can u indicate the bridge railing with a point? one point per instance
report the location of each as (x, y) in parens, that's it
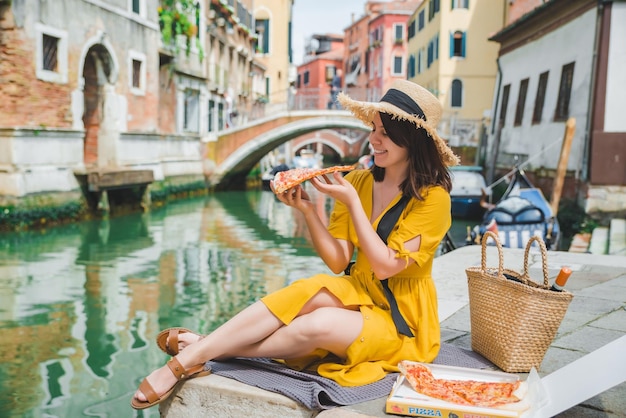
(320, 98)
(297, 99)
(458, 131)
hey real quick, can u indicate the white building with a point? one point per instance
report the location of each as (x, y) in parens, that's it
(564, 59)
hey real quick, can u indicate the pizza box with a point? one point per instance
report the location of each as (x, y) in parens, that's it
(404, 400)
(553, 394)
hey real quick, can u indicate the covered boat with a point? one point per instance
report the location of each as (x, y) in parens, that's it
(468, 189)
(522, 212)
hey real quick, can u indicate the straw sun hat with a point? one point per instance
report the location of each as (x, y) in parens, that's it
(407, 101)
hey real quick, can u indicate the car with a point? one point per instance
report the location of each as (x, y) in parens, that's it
(468, 189)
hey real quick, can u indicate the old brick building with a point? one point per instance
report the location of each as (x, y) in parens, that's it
(94, 86)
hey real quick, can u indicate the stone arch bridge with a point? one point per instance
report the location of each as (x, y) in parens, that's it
(229, 156)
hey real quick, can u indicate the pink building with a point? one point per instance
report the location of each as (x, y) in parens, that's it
(324, 54)
(356, 57)
(388, 52)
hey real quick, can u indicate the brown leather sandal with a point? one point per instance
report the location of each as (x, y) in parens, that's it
(167, 340)
(179, 372)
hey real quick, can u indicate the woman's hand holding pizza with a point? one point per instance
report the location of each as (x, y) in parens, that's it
(340, 190)
(296, 197)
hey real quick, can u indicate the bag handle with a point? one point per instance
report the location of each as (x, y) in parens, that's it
(483, 257)
(544, 259)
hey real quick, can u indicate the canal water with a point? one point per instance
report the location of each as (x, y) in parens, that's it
(80, 304)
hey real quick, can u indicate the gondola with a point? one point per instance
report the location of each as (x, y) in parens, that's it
(521, 212)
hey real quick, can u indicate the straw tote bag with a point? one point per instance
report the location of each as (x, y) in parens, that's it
(514, 319)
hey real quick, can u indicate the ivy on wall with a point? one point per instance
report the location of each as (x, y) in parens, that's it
(180, 17)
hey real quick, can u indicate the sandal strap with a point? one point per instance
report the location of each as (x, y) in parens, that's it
(146, 388)
(172, 340)
(180, 372)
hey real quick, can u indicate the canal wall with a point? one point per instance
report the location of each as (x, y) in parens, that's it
(41, 170)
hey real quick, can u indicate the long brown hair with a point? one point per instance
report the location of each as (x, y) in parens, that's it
(426, 168)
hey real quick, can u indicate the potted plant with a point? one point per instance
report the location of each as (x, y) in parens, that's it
(175, 19)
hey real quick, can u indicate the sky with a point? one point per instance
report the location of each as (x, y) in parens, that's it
(318, 17)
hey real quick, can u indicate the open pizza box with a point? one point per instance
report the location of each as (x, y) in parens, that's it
(404, 400)
(544, 397)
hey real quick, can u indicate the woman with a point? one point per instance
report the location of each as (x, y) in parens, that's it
(343, 325)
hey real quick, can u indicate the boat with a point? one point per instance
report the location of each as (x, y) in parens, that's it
(522, 212)
(268, 176)
(308, 159)
(469, 191)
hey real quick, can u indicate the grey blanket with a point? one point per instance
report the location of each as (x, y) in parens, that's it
(317, 392)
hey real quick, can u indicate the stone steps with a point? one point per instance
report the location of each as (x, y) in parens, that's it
(609, 240)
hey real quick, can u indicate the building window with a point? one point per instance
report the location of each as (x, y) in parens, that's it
(521, 102)
(210, 125)
(540, 98)
(330, 73)
(505, 104)
(137, 72)
(263, 33)
(565, 91)
(398, 30)
(411, 66)
(411, 30)
(192, 111)
(220, 116)
(420, 60)
(306, 78)
(456, 98)
(398, 65)
(138, 7)
(420, 22)
(457, 44)
(460, 4)
(433, 9)
(51, 54)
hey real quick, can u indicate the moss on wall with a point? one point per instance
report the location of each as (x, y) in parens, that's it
(48, 209)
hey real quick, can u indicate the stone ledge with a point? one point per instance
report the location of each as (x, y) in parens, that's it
(216, 396)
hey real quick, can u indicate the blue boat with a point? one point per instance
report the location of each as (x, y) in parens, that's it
(469, 190)
(522, 212)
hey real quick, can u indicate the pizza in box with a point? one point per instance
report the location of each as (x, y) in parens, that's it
(504, 394)
(285, 180)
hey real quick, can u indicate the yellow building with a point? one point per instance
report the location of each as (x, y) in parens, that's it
(450, 54)
(273, 28)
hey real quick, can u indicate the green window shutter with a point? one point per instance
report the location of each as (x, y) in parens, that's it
(463, 42)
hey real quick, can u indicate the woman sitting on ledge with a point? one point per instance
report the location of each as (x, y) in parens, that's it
(352, 328)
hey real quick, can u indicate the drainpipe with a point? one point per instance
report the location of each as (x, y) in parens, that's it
(584, 164)
(494, 120)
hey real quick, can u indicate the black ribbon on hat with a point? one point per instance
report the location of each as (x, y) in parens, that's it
(403, 101)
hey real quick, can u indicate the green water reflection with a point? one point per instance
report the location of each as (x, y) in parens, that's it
(80, 304)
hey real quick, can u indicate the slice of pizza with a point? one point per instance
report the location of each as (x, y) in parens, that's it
(462, 392)
(422, 380)
(488, 394)
(285, 180)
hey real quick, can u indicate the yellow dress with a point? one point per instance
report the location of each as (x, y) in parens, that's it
(379, 347)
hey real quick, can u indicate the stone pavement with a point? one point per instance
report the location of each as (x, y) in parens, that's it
(595, 317)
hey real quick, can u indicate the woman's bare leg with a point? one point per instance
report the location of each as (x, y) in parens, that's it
(322, 299)
(256, 332)
(332, 329)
